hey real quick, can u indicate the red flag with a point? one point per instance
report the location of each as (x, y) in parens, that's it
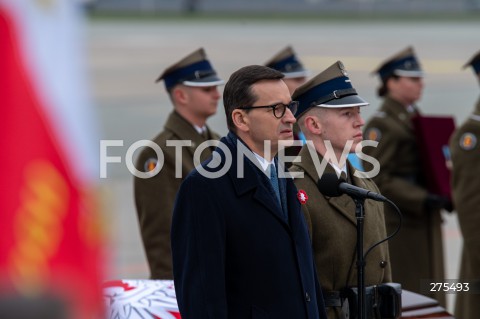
(50, 240)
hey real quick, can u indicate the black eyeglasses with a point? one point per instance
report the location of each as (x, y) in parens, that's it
(278, 109)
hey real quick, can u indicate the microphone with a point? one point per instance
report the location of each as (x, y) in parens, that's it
(330, 185)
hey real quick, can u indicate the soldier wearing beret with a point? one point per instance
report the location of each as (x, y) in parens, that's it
(329, 114)
(417, 250)
(192, 86)
(465, 152)
(295, 74)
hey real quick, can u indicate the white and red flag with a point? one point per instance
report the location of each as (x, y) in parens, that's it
(50, 239)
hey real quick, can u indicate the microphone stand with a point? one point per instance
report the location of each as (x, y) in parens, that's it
(330, 185)
(360, 215)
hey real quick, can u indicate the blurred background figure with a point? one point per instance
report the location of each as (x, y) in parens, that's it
(51, 243)
(465, 153)
(287, 62)
(416, 251)
(324, 117)
(191, 84)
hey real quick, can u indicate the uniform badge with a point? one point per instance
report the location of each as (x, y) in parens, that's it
(150, 164)
(468, 141)
(302, 197)
(373, 134)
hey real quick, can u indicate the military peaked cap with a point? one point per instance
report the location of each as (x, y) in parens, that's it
(331, 88)
(287, 62)
(192, 70)
(404, 64)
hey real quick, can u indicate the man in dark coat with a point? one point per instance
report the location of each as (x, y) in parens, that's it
(465, 150)
(240, 244)
(192, 86)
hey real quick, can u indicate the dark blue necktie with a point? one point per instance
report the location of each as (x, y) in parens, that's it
(276, 187)
(274, 182)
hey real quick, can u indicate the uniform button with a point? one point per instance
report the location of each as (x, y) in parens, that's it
(307, 297)
(383, 264)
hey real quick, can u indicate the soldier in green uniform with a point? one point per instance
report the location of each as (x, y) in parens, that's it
(465, 152)
(329, 114)
(192, 86)
(417, 250)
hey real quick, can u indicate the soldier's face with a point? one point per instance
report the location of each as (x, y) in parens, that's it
(203, 101)
(340, 125)
(407, 90)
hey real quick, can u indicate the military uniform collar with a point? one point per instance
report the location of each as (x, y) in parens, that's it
(343, 203)
(339, 170)
(179, 125)
(200, 130)
(398, 111)
(184, 130)
(308, 164)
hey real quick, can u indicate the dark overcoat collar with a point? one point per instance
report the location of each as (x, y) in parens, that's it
(254, 180)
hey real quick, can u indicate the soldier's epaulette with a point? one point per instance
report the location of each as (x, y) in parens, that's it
(475, 117)
(379, 114)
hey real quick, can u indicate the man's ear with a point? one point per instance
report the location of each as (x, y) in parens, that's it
(240, 120)
(180, 95)
(313, 125)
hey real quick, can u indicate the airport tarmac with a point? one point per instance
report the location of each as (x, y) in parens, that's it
(125, 58)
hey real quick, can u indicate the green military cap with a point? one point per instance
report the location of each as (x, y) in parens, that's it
(404, 63)
(474, 62)
(287, 62)
(331, 88)
(192, 70)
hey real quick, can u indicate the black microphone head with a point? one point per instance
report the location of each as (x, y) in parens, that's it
(328, 185)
